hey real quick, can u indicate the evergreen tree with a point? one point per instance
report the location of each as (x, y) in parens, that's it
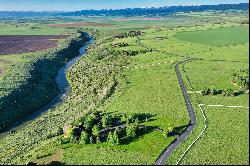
(84, 138)
(96, 131)
(131, 131)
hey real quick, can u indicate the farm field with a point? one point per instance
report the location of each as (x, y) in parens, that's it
(24, 44)
(79, 24)
(217, 37)
(16, 28)
(128, 74)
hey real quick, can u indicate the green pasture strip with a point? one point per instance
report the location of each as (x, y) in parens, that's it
(226, 139)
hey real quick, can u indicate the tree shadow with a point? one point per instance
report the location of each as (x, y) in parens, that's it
(178, 130)
(141, 131)
(55, 163)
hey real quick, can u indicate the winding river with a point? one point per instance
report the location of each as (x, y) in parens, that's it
(64, 90)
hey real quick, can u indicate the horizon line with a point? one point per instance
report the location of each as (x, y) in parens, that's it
(119, 8)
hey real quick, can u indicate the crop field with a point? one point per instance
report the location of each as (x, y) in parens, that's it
(22, 44)
(80, 24)
(126, 85)
(138, 18)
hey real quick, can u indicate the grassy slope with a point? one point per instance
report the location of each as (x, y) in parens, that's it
(23, 145)
(7, 61)
(32, 80)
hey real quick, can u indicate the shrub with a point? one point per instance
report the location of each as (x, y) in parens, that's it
(69, 133)
(106, 121)
(85, 139)
(91, 140)
(113, 138)
(89, 122)
(131, 131)
(96, 131)
(206, 91)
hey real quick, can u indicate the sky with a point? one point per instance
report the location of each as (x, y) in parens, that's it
(72, 5)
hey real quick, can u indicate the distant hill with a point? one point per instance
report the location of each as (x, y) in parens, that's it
(161, 11)
(7, 14)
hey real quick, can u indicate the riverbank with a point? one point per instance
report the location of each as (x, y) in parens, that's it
(37, 85)
(102, 66)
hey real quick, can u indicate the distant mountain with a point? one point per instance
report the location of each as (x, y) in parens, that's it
(8, 14)
(161, 11)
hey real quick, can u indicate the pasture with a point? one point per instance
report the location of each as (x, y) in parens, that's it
(225, 141)
(15, 28)
(214, 69)
(217, 37)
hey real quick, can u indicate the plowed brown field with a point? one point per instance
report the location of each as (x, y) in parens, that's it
(17, 44)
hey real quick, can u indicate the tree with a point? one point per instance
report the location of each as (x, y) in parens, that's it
(131, 131)
(89, 122)
(110, 137)
(98, 140)
(84, 138)
(69, 133)
(91, 140)
(96, 131)
(116, 137)
(206, 91)
(113, 137)
(137, 121)
(106, 121)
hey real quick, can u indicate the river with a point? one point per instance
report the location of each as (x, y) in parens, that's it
(64, 90)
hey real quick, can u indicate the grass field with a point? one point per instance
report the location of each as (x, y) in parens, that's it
(215, 70)
(29, 29)
(7, 61)
(225, 140)
(217, 37)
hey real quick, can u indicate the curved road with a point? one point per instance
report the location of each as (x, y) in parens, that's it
(179, 139)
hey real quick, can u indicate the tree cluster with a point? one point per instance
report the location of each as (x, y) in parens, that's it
(100, 127)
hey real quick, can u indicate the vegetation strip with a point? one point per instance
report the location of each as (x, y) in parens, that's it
(162, 159)
(234, 106)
